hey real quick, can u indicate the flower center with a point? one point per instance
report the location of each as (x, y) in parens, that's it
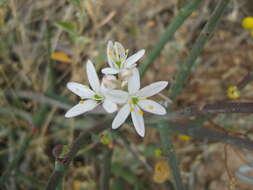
(98, 97)
(118, 63)
(118, 55)
(134, 100)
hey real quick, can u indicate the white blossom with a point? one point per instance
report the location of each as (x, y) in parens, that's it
(118, 61)
(137, 102)
(90, 98)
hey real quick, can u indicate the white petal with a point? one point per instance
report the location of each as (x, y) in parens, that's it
(134, 81)
(110, 71)
(134, 58)
(81, 108)
(120, 49)
(138, 121)
(80, 90)
(110, 49)
(152, 89)
(121, 116)
(152, 107)
(109, 106)
(92, 76)
(117, 96)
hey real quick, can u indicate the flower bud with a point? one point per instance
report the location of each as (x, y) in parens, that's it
(125, 74)
(110, 81)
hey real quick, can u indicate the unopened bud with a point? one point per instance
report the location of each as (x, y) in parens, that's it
(60, 151)
(125, 74)
(123, 84)
(110, 81)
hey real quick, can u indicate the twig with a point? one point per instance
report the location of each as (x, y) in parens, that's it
(198, 46)
(207, 134)
(230, 107)
(58, 174)
(183, 14)
(105, 170)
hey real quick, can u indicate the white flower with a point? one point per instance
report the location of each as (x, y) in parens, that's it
(118, 61)
(90, 98)
(137, 101)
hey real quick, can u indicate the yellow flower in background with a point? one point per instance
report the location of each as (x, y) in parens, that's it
(61, 56)
(76, 185)
(247, 23)
(233, 92)
(184, 137)
(161, 172)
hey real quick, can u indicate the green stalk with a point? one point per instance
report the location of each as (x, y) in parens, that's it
(168, 34)
(166, 140)
(105, 170)
(168, 151)
(204, 36)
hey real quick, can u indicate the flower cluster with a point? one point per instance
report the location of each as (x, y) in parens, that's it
(247, 23)
(121, 73)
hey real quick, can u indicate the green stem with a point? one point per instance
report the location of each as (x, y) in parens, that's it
(79, 143)
(168, 151)
(204, 36)
(59, 167)
(183, 14)
(105, 170)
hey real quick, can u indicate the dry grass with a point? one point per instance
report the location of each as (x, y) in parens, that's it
(29, 34)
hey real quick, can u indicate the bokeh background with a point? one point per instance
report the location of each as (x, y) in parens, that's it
(34, 97)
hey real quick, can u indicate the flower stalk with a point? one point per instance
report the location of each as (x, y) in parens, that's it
(197, 48)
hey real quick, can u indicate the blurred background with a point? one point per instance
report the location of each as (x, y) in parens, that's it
(45, 44)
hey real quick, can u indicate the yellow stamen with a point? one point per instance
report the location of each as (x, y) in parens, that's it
(77, 89)
(140, 112)
(85, 86)
(122, 60)
(127, 50)
(151, 107)
(131, 109)
(81, 101)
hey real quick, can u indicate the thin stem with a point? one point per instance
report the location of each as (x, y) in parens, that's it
(169, 152)
(79, 143)
(230, 107)
(181, 77)
(105, 170)
(198, 46)
(192, 129)
(183, 14)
